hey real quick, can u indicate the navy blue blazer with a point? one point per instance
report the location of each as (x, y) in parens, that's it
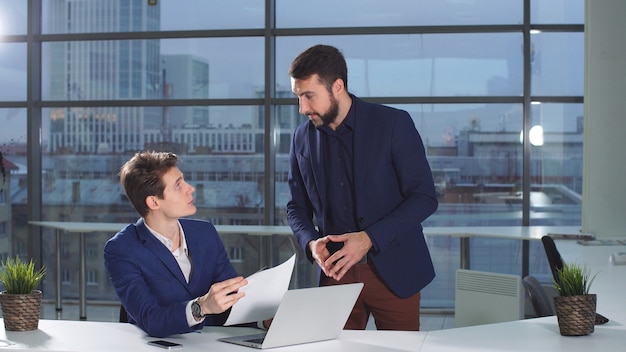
(149, 282)
(394, 192)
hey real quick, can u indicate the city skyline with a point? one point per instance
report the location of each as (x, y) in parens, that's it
(427, 65)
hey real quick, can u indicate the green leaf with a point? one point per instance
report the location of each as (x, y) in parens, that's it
(20, 277)
(573, 280)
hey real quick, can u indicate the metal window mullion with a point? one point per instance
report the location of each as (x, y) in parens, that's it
(33, 128)
(526, 143)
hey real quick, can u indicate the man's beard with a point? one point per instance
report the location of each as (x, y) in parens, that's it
(331, 114)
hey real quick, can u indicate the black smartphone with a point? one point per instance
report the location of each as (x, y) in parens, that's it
(165, 344)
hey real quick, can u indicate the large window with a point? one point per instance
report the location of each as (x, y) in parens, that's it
(207, 68)
(208, 80)
(13, 71)
(420, 65)
(356, 13)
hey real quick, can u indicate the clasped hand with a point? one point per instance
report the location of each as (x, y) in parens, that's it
(355, 247)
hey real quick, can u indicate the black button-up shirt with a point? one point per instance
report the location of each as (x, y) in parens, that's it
(338, 169)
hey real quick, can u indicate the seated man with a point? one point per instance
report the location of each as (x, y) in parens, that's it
(171, 274)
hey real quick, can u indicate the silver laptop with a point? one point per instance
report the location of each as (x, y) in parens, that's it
(306, 315)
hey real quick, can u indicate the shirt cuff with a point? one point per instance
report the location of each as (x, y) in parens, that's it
(190, 319)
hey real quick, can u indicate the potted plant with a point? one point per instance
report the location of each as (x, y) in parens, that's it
(21, 302)
(575, 307)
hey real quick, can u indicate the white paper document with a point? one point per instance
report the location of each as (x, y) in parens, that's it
(264, 291)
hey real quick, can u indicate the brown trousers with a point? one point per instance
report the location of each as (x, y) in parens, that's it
(389, 311)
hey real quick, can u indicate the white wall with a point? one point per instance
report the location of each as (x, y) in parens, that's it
(604, 158)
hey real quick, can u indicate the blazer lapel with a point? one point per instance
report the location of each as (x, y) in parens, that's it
(160, 252)
(196, 255)
(363, 136)
(316, 151)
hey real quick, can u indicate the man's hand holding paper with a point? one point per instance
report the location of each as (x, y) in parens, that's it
(264, 291)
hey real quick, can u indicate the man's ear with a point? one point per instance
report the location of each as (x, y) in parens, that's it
(152, 202)
(338, 86)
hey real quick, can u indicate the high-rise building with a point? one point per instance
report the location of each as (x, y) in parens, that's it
(103, 70)
(186, 76)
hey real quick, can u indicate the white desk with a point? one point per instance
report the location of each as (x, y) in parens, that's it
(65, 335)
(522, 233)
(542, 334)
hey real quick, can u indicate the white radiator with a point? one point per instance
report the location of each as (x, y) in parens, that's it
(484, 298)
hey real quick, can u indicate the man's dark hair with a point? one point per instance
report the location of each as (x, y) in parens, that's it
(142, 176)
(325, 61)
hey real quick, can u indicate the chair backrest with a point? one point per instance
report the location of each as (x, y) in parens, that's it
(554, 257)
(556, 264)
(123, 314)
(538, 296)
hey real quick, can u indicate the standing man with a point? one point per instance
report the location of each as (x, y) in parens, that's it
(172, 275)
(360, 171)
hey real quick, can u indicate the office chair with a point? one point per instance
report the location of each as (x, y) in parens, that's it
(538, 297)
(556, 264)
(123, 314)
(554, 257)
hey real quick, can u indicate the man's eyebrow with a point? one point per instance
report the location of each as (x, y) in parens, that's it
(304, 93)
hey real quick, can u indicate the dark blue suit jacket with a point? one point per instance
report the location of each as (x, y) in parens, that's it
(394, 192)
(149, 282)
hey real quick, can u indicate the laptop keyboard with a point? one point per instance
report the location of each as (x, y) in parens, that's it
(256, 340)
